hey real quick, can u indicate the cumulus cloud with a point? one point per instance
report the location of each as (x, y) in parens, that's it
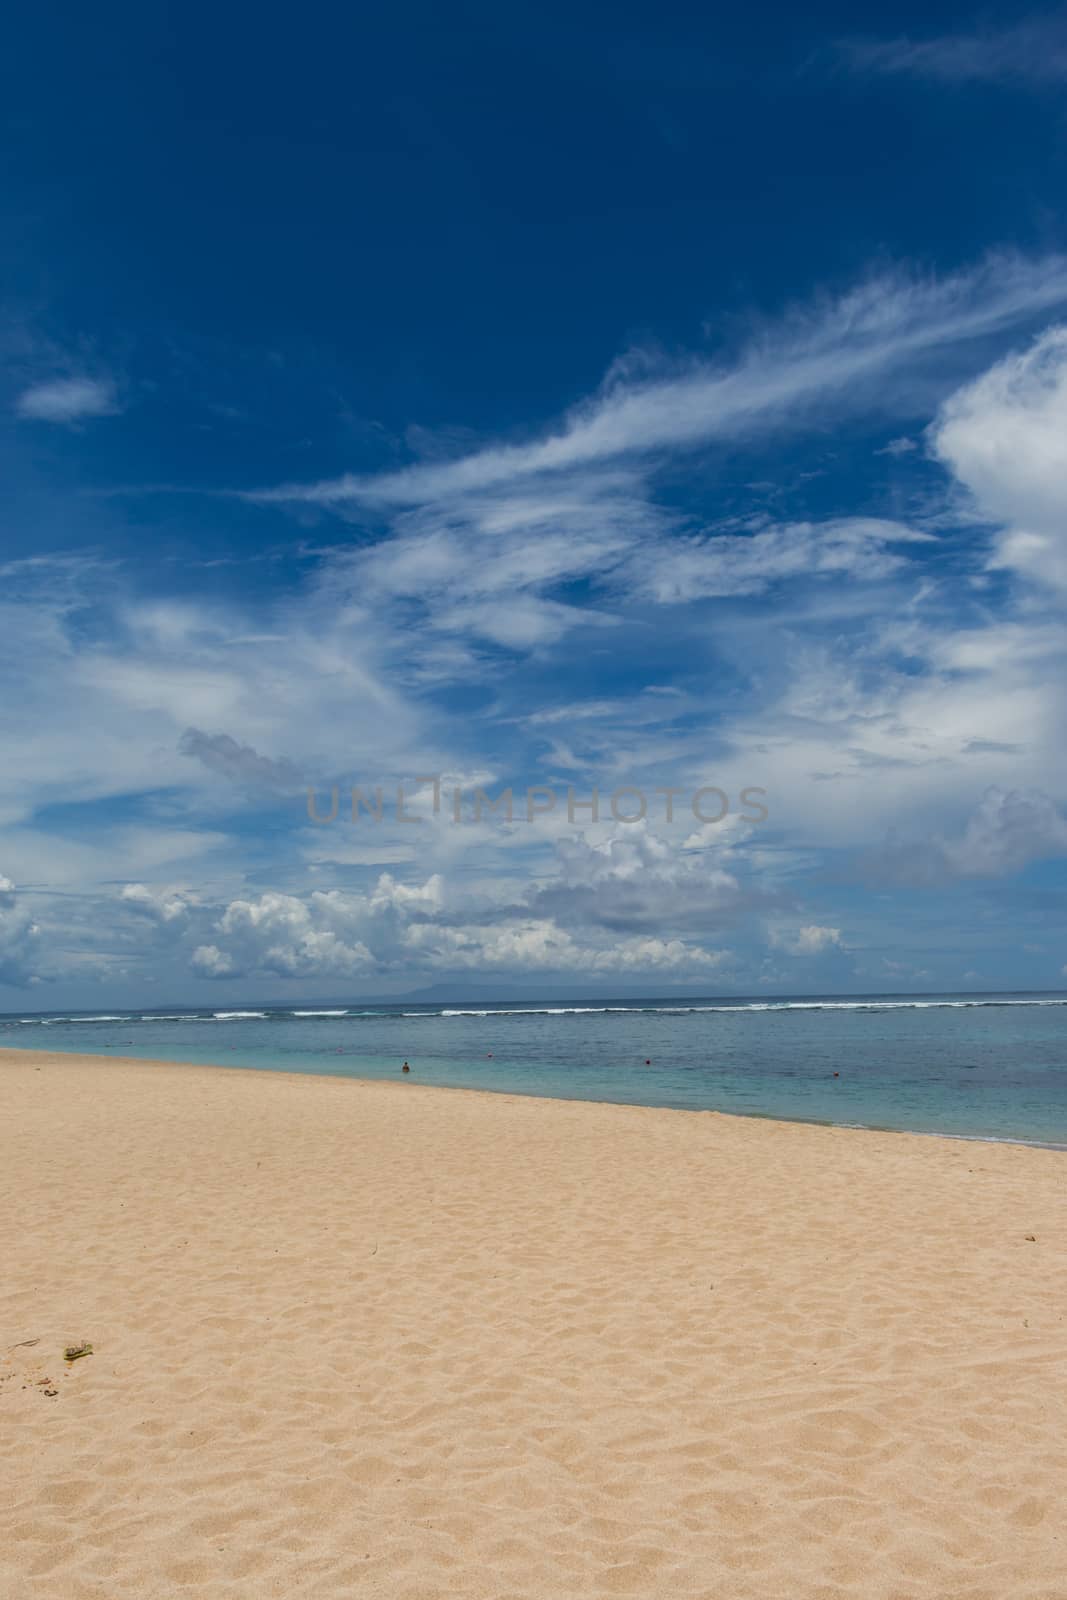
(852, 718)
(293, 938)
(396, 926)
(329, 933)
(812, 939)
(389, 895)
(809, 940)
(1005, 832)
(539, 944)
(67, 400)
(1004, 437)
(161, 905)
(639, 881)
(208, 961)
(19, 938)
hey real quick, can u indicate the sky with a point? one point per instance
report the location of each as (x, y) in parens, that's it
(662, 402)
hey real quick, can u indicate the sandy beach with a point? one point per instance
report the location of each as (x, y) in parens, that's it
(392, 1340)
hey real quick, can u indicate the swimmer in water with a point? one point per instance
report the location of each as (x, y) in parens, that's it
(405, 1067)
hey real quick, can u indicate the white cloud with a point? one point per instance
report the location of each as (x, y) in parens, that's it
(328, 933)
(1030, 52)
(819, 355)
(208, 961)
(388, 894)
(120, 706)
(899, 721)
(1004, 833)
(486, 566)
(406, 927)
(637, 881)
(279, 933)
(67, 400)
(853, 721)
(539, 944)
(898, 447)
(159, 904)
(725, 564)
(20, 943)
(465, 568)
(1005, 438)
(810, 940)
(490, 546)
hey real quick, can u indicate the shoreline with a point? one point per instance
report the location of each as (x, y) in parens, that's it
(521, 1094)
(353, 1335)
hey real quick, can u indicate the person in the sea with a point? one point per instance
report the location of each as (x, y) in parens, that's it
(405, 1067)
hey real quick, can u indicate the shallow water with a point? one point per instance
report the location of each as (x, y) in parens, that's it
(991, 1066)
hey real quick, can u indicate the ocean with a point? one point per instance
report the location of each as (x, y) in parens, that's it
(990, 1066)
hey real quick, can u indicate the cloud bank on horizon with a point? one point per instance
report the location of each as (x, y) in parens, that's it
(818, 553)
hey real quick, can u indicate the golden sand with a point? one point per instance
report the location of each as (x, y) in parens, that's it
(374, 1339)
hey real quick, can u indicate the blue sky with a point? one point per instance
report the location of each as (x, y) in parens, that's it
(575, 398)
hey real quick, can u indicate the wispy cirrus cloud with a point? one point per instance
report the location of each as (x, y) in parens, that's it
(815, 357)
(519, 544)
(880, 674)
(67, 400)
(1030, 52)
(721, 564)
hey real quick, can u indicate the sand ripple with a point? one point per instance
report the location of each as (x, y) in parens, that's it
(387, 1340)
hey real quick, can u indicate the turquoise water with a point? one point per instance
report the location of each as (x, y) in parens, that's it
(991, 1066)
